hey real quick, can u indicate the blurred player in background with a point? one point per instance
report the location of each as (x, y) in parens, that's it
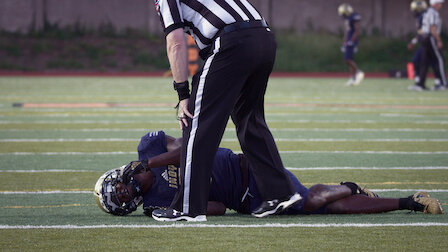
(418, 8)
(431, 47)
(350, 44)
(154, 181)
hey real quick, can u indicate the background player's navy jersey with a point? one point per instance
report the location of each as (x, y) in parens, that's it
(350, 25)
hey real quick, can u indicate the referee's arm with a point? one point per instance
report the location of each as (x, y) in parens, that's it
(435, 34)
(176, 46)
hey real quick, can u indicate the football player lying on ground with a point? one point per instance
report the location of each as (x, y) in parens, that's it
(153, 181)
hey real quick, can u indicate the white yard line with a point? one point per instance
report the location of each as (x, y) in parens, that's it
(267, 225)
(173, 121)
(90, 192)
(368, 168)
(281, 152)
(231, 129)
(47, 140)
(289, 168)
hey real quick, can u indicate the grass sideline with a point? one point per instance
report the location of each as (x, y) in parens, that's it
(390, 139)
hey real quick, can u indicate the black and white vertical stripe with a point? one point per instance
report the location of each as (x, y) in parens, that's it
(431, 17)
(204, 18)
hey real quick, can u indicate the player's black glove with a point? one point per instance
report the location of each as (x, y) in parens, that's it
(134, 167)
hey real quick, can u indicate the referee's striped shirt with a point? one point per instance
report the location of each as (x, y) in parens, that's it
(203, 18)
(431, 17)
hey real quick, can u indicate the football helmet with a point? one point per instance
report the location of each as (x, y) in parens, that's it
(344, 10)
(106, 194)
(418, 6)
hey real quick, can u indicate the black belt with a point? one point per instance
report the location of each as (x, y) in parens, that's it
(237, 26)
(242, 25)
(244, 206)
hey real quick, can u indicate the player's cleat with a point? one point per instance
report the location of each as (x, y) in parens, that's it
(417, 88)
(358, 78)
(174, 215)
(426, 204)
(438, 88)
(356, 189)
(350, 82)
(271, 207)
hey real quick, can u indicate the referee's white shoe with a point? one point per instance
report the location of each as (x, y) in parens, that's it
(271, 207)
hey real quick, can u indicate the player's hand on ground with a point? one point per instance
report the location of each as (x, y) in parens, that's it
(184, 113)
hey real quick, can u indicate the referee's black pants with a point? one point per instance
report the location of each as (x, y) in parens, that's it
(430, 53)
(232, 83)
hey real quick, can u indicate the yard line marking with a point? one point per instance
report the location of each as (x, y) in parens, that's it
(90, 192)
(48, 206)
(289, 168)
(231, 129)
(47, 140)
(74, 191)
(410, 190)
(368, 168)
(365, 152)
(275, 104)
(281, 152)
(173, 121)
(46, 170)
(267, 225)
(68, 153)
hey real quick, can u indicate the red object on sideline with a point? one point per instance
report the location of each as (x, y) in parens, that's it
(410, 69)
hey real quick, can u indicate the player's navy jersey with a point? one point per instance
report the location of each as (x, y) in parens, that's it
(166, 178)
(225, 187)
(203, 18)
(350, 25)
(225, 182)
(419, 20)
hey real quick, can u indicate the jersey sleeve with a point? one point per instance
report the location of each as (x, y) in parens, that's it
(170, 15)
(152, 144)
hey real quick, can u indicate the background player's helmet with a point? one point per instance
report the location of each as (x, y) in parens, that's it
(106, 195)
(418, 6)
(344, 10)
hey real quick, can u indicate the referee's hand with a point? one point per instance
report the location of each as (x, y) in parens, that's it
(184, 113)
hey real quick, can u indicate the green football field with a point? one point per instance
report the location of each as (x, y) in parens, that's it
(59, 134)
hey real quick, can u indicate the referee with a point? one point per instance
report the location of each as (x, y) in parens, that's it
(431, 47)
(239, 51)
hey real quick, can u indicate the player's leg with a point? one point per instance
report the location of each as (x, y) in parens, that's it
(356, 204)
(356, 75)
(424, 62)
(416, 62)
(320, 195)
(360, 204)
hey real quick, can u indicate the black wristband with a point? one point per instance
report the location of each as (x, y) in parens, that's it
(183, 89)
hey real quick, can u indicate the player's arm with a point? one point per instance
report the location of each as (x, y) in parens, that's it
(357, 28)
(171, 157)
(215, 208)
(412, 43)
(435, 34)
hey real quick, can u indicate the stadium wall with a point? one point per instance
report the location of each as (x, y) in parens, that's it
(388, 17)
